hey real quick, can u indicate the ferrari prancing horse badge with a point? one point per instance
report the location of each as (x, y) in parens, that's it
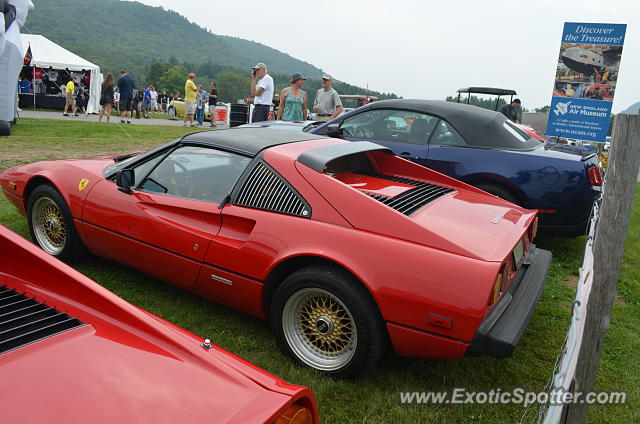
(82, 184)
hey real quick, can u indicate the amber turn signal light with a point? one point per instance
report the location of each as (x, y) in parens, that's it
(295, 414)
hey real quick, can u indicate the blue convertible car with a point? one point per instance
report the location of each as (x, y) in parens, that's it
(481, 148)
(484, 149)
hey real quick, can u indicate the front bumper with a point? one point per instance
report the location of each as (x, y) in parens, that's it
(500, 332)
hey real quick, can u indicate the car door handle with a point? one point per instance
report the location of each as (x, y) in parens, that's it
(405, 154)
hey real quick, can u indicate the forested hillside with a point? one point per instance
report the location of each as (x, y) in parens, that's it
(159, 46)
(116, 34)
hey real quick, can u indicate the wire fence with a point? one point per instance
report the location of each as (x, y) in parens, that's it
(565, 365)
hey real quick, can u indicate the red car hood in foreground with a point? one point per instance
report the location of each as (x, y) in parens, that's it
(124, 364)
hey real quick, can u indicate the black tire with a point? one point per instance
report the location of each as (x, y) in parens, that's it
(5, 128)
(360, 315)
(52, 228)
(499, 191)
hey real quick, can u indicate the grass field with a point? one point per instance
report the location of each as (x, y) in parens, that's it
(374, 398)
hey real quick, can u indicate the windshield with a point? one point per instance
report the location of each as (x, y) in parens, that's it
(112, 169)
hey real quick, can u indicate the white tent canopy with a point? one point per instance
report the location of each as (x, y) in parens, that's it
(45, 53)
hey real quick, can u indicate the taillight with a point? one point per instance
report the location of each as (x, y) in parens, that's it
(500, 282)
(495, 290)
(534, 229)
(295, 414)
(595, 176)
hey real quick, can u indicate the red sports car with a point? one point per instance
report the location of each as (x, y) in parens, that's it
(71, 351)
(345, 247)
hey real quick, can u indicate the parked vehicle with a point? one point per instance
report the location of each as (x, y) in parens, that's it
(345, 247)
(484, 149)
(71, 351)
(176, 109)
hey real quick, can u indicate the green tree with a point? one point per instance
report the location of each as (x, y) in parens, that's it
(543, 109)
(174, 79)
(232, 86)
(156, 71)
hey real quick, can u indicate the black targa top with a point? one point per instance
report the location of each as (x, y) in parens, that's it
(479, 127)
(247, 141)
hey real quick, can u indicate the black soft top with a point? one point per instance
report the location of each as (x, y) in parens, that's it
(247, 141)
(479, 127)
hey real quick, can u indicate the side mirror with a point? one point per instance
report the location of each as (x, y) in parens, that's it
(333, 130)
(125, 179)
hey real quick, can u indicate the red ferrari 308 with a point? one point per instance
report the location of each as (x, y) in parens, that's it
(73, 352)
(348, 249)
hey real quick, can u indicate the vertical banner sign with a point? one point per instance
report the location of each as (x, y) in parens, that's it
(586, 77)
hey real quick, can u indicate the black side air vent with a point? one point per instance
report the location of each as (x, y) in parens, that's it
(266, 190)
(24, 320)
(413, 199)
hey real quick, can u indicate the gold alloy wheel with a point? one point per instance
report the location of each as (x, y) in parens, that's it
(325, 324)
(319, 328)
(49, 225)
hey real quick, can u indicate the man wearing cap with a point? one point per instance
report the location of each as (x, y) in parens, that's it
(262, 93)
(327, 104)
(510, 110)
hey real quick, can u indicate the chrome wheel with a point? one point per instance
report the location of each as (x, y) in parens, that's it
(320, 329)
(49, 225)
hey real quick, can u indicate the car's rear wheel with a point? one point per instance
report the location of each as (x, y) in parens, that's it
(499, 191)
(324, 319)
(51, 224)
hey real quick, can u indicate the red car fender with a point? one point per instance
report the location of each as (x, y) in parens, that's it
(73, 182)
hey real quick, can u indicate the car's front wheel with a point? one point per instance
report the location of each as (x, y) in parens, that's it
(324, 319)
(51, 224)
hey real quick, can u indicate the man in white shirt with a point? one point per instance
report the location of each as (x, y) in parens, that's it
(262, 93)
(154, 99)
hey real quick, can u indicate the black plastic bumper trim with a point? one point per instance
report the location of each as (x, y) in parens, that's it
(500, 332)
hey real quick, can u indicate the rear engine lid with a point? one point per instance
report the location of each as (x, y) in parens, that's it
(402, 194)
(488, 229)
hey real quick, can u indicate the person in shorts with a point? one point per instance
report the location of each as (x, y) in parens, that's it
(106, 97)
(70, 97)
(327, 104)
(190, 91)
(126, 87)
(147, 101)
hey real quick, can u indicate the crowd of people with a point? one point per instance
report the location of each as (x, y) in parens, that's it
(195, 100)
(127, 99)
(291, 104)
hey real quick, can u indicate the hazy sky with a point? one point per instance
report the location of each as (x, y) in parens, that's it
(426, 49)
